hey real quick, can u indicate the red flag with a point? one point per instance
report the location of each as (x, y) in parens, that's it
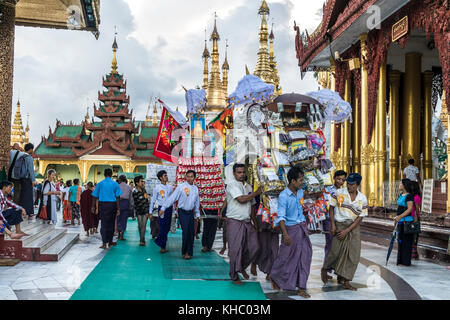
(167, 138)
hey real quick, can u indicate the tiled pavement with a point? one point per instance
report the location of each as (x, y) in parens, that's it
(58, 280)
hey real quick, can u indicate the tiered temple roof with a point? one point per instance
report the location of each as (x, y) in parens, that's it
(117, 132)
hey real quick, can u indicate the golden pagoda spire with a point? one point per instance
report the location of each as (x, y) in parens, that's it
(114, 61)
(273, 65)
(17, 132)
(215, 94)
(263, 69)
(27, 130)
(206, 57)
(86, 117)
(225, 68)
(246, 70)
(155, 116)
(86, 121)
(147, 115)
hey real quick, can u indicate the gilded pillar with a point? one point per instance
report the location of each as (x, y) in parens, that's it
(394, 130)
(334, 155)
(7, 28)
(83, 167)
(367, 151)
(356, 143)
(95, 174)
(380, 159)
(345, 133)
(427, 126)
(411, 109)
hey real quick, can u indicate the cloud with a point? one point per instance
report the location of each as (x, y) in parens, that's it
(58, 73)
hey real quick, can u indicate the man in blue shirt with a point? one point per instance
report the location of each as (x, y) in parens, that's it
(107, 194)
(292, 266)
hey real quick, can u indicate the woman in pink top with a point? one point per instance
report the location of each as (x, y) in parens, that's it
(416, 211)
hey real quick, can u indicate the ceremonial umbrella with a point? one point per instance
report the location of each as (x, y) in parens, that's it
(336, 108)
(195, 100)
(391, 245)
(251, 89)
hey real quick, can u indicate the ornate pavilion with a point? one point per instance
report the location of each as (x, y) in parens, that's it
(390, 60)
(117, 140)
(81, 15)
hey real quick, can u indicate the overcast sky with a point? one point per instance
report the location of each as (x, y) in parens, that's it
(57, 73)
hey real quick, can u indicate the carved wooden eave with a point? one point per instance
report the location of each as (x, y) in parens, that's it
(110, 96)
(121, 113)
(55, 14)
(108, 83)
(343, 23)
(50, 144)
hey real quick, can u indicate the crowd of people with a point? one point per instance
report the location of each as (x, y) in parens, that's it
(251, 241)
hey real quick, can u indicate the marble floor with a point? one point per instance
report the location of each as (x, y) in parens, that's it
(58, 280)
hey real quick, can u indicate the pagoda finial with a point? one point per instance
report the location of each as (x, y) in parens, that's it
(115, 47)
(225, 65)
(246, 70)
(206, 57)
(215, 93)
(273, 65)
(215, 34)
(155, 115)
(225, 68)
(264, 8)
(264, 67)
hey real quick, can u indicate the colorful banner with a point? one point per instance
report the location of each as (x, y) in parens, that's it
(167, 138)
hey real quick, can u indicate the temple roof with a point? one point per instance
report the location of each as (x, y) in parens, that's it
(343, 21)
(68, 131)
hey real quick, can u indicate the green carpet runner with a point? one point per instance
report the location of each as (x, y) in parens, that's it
(131, 272)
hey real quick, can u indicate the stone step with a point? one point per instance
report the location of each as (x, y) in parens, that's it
(433, 241)
(36, 232)
(60, 247)
(47, 240)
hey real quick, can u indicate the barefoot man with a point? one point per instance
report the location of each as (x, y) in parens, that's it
(241, 234)
(291, 268)
(347, 208)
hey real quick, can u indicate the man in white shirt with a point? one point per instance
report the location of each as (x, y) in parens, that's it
(188, 199)
(241, 234)
(411, 172)
(348, 206)
(161, 192)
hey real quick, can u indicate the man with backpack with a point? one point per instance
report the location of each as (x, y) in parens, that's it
(21, 173)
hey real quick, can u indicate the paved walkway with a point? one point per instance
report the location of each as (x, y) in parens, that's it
(86, 269)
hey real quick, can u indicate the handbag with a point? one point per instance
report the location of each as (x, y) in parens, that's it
(412, 227)
(43, 213)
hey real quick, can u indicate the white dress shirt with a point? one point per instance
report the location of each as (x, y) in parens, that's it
(160, 193)
(187, 196)
(235, 209)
